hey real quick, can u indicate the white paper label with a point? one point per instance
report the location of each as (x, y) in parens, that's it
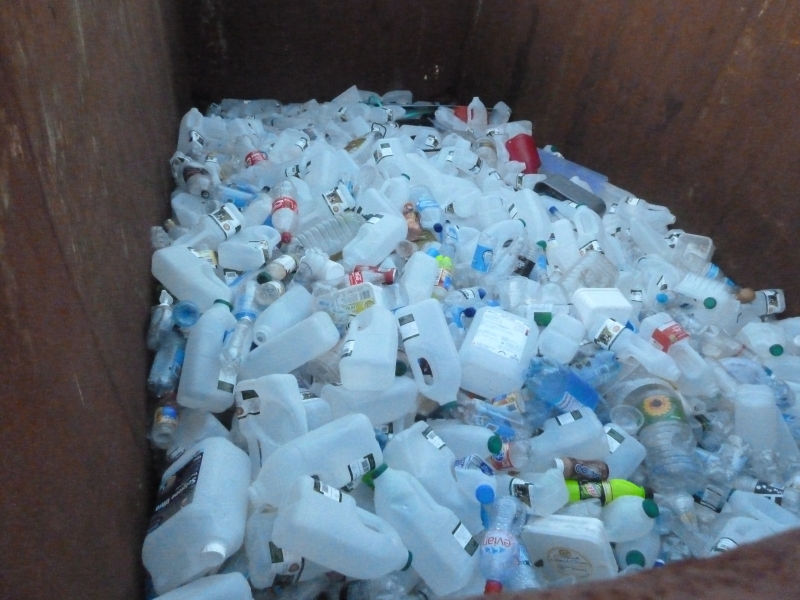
(208, 255)
(632, 200)
(467, 293)
(384, 150)
(361, 466)
(773, 301)
(374, 219)
(608, 333)
(432, 142)
(636, 296)
(408, 327)
(226, 381)
(569, 417)
(336, 203)
(593, 245)
(614, 438)
(247, 403)
(302, 143)
(434, 439)
(327, 491)
(502, 334)
(347, 348)
(723, 545)
(226, 220)
(465, 539)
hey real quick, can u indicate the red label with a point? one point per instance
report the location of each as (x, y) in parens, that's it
(189, 172)
(355, 278)
(668, 334)
(254, 157)
(284, 202)
(502, 460)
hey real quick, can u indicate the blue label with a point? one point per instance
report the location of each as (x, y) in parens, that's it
(425, 203)
(482, 259)
(713, 271)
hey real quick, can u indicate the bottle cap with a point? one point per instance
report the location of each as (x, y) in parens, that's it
(776, 350)
(661, 297)
(370, 476)
(481, 293)
(437, 227)
(484, 494)
(469, 312)
(634, 557)
(263, 277)
(709, 302)
(492, 587)
(495, 444)
(650, 508)
(286, 237)
(542, 319)
(400, 368)
(542, 244)
(225, 302)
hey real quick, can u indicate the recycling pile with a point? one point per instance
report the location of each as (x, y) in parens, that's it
(400, 352)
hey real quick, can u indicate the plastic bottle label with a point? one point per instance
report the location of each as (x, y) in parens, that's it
(189, 172)
(502, 335)
(208, 255)
(347, 348)
(196, 138)
(254, 157)
(264, 246)
(226, 381)
(374, 219)
(771, 492)
(595, 489)
(335, 200)
(293, 171)
(327, 491)
(569, 563)
(502, 460)
(467, 293)
(568, 403)
(434, 439)
(520, 489)
(773, 300)
(176, 492)
(432, 142)
(632, 200)
(166, 415)
(287, 261)
(512, 211)
(286, 566)
(284, 202)
(465, 539)
(357, 299)
(524, 266)
(360, 467)
(723, 545)
(608, 334)
(519, 181)
(384, 150)
(426, 202)
(475, 463)
(247, 403)
(569, 417)
(476, 168)
(226, 220)
(659, 407)
(636, 296)
(592, 246)
(482, 259)
(450, 209)
(444, 278)
(662, 284)
(713, 271)
(713, 498)
(408, 327)
(614, 438)
(669, 333)
(672, 238)
(302, 143)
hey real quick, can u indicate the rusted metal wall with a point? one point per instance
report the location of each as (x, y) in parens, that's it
(88, 113)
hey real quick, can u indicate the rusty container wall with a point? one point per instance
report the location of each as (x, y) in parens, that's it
(688, 105)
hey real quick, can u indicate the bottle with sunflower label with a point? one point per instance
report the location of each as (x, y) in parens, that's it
(667, 436)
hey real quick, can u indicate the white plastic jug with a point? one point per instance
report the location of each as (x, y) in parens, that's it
(444, 550)
(199, 384)
(229, 586)
(323, 524)
(270, 413)
(430, 349)
(339, 452)
(381, 408)
(496, 352)
(369, 351)
(287, 311)
(189, 276)
(375, 240)
(200, 516)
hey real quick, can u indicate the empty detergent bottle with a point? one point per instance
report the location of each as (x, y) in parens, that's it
(443, 548)
(199, 385)
(323, 524)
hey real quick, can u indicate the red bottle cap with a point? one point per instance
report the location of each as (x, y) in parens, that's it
(522, 148)
(492, 587)
(461, 112)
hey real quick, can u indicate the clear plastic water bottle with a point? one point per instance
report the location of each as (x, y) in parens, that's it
(559, 386)
(500, 548)
(667, 436)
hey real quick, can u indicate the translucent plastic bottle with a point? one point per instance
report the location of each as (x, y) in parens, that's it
(611, 335)
(431, 351)
(199, 384)
(288, 310)
(369, 351)
(736, 532)
(500, 547)
(628, 518)
(668, 438)
(443, 548)
(558, 386)
(333, 234)
(249, 249)
(199, 519)
(593, 270)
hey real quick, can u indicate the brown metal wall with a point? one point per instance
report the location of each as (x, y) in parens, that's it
(692, 105)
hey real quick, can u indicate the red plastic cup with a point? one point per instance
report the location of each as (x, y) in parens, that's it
(522, 148)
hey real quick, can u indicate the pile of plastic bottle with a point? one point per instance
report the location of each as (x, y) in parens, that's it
(400, 352)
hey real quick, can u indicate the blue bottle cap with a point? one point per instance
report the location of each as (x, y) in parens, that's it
(437, 227)
(661, 297)
(484, 493)
(469, 312)
(481, 293)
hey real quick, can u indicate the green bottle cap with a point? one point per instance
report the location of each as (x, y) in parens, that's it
(650, 508)
(263, 277)
(400, 368)
(370, 476)
(709, 302)
(542, 319)
(776, 349)
(542, 244)
(225, 302)
(634, 557)
(495, 444)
